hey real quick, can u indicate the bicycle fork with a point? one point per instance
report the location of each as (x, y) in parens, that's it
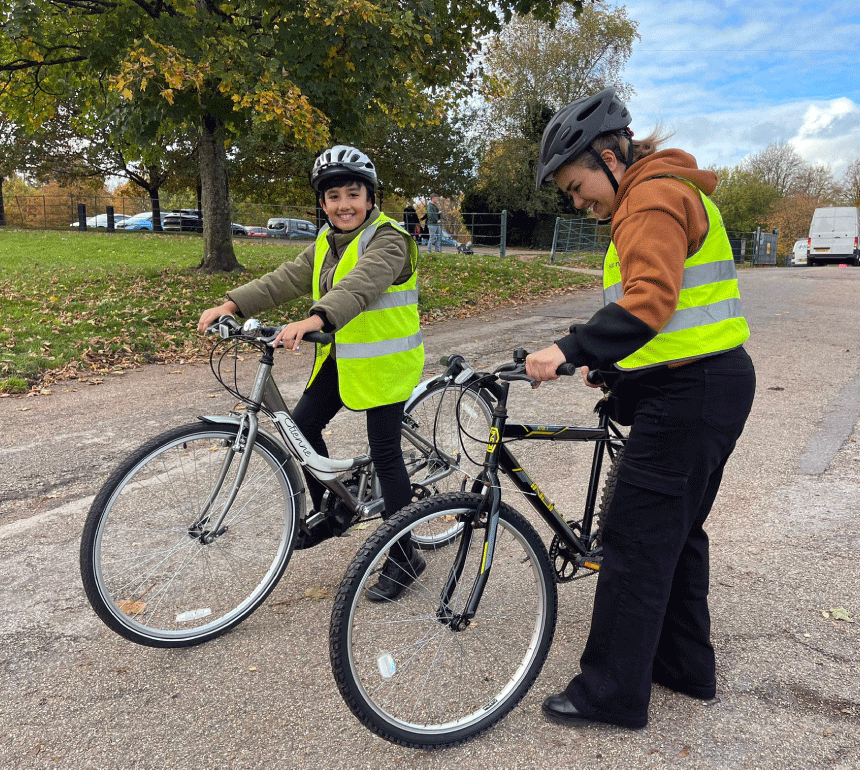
(246, 435)
(488, 510)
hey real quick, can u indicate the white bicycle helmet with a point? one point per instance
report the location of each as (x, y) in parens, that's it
(343, 162)
(573, 128)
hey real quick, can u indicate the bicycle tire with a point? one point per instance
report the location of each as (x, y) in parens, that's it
(407, 676)
(147, 572)
(454, 419)
(608, 492)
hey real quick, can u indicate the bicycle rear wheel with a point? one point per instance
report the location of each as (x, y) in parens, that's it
(454, 420)
(147, 569)
(407, 675)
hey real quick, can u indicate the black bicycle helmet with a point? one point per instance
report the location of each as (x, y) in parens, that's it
(573, 128)
(343, 162)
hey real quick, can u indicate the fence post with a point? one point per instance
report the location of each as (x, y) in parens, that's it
(110, 219)
(554, 239)
(82, 218)
(503, 242)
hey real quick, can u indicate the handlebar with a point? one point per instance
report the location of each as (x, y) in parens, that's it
(227, 326)
(458, 370)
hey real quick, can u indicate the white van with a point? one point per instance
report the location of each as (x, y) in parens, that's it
(834, 236)
(799, 252)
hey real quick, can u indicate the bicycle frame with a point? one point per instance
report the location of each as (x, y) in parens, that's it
(499, 458)
(266, 396)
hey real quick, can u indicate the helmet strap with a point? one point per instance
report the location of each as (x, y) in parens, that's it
(602, 164)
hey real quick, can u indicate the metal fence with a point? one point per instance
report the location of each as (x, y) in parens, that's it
(756, 248)
(578, 236)
(462, 231)
(583, 235)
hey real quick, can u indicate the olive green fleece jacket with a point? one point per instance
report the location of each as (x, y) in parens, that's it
(385, 262)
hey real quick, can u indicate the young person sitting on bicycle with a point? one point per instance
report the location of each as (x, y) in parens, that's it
(668, 341)
(362, 274)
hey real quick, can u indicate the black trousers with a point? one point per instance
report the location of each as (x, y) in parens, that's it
(320, 403)
(650, 620)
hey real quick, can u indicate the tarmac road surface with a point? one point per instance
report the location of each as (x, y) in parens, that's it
(785, 536)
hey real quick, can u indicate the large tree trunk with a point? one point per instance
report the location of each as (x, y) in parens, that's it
(2, 205)
(155, 204)
(218, 254)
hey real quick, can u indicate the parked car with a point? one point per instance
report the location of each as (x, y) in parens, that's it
(295, 229)
(834, 235)
(256, 231)
(141, 221)
(101, 220)
(799, 252)
(183, 220)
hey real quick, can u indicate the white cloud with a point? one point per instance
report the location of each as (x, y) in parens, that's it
(731, 77)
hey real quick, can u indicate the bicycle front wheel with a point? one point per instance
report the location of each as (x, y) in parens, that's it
(454, 423)
(402, 668)
(153, 569)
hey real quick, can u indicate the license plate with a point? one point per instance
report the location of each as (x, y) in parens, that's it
(819, 250)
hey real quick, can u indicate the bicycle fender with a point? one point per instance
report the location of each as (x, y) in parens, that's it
(421, 388)
(486, 390)
(225, 419)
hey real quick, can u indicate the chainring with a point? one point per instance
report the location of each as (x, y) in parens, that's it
(563, 559)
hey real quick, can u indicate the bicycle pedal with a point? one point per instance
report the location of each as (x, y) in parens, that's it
(590, 561)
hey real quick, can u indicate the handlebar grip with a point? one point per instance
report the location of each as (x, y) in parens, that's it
(567, 369)
(594, 377)
(321, 338)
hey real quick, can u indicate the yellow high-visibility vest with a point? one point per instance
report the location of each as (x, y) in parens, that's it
(709, 318)
(380, 352)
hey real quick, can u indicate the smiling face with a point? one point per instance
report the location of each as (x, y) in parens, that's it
(590, 188)
(346, 206)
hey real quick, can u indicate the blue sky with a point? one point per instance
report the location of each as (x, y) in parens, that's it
(729, 78)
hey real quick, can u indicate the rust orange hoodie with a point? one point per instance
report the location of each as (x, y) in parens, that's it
(657, 221)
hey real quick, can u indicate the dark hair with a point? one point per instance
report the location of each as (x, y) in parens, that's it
(341, 181)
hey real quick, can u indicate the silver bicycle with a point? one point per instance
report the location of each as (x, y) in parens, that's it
(191, 533)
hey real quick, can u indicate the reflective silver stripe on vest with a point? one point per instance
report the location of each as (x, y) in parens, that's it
(710, 272)
(612, 293)
(689, 317)
(366, 236)
(373, 349)
(694, 276)
(395, 299)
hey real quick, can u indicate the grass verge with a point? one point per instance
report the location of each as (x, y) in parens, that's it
(78, 305)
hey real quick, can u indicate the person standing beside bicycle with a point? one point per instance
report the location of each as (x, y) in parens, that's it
(362, 275)
(669, 343)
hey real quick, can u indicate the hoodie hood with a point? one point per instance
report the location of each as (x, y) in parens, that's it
(666, 163)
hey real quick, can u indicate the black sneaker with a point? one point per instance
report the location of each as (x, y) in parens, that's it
(395, 577)
(336, 522)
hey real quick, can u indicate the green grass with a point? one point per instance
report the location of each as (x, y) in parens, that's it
(83, 304)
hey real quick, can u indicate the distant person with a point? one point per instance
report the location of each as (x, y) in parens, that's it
(411, 223)
(361, 273)
(434, 224)
(669, 342)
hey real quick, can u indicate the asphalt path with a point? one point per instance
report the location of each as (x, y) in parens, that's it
(785, 545)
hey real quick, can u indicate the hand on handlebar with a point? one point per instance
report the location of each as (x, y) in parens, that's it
(542, 365)
(212, 314)
(591, 377)
(291, 335)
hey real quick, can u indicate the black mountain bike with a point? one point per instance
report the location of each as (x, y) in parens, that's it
(460, 648)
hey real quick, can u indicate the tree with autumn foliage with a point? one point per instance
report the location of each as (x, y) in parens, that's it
(307, 71)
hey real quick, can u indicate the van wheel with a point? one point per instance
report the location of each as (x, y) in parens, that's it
(811, 262)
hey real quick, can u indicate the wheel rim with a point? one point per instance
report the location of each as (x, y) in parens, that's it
(162, 583)
(450, 681)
